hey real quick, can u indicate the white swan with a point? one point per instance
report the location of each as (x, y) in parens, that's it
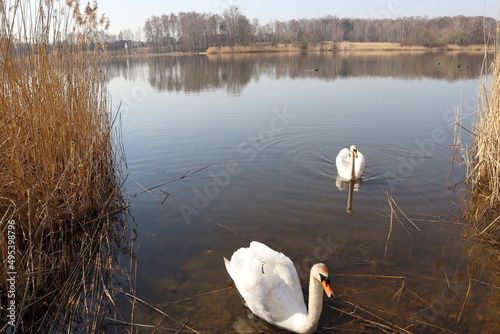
(350, 163)
(269, 284)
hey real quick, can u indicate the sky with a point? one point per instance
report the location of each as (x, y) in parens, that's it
(132, 14)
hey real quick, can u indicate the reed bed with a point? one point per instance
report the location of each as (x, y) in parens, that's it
(344, 47)
(253, 49)
(482, 196)
(60, 190)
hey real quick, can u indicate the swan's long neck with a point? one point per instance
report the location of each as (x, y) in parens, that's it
(315, 304)
(353, 158)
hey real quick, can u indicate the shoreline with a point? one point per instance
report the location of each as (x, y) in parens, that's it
(343, 47)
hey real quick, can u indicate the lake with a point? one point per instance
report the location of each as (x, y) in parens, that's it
(225, 149)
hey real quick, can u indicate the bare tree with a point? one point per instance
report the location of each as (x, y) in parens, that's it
(236, 27)
(194, 31)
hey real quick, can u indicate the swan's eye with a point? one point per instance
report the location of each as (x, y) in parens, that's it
(324, 278)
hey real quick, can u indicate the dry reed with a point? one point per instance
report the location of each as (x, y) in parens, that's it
(482, 196)
(59, 181)
(342, 46)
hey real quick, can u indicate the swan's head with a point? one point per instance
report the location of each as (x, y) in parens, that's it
(320, 272)
(354, 150)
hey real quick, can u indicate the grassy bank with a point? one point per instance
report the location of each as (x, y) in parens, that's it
(482, 198)
(60, 195)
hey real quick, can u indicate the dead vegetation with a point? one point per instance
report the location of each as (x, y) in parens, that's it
(343, 47)
(482, 196)
(60, 190)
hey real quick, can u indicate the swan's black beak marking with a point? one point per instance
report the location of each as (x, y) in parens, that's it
(325, 281)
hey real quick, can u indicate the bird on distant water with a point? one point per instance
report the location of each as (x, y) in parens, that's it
(350, 163)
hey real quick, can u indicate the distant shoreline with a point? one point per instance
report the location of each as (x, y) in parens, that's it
(318, 47)
(346, 47)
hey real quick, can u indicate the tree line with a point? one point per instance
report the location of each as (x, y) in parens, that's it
(193, 31)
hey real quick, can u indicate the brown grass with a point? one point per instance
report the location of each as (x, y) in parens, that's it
(371, 46)
(253, 49)
(482, 198)
(59, 183)
(343, 47)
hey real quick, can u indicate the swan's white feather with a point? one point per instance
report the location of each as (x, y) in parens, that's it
(343, 162)
(267, 281)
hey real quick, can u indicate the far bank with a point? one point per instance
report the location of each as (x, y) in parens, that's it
(317, 47)
(348, 47)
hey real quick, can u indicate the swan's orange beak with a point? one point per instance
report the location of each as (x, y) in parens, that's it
(327, 287)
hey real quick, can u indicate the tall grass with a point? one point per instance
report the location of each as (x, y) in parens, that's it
(482, 205)
(59, 182)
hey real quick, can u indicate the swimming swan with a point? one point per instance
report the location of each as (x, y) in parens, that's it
(350, 163)
(269, 284)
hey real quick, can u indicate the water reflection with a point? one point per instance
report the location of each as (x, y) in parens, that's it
(352, 186)
(484, 260)
(233, 72)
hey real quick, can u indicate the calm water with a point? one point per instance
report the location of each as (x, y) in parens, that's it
(239, 148)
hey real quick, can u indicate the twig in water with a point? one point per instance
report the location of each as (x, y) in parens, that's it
(165, 196)
(390, 231)
(393, 213)
(145, 190)
(183, 325)
(377, 324)
(400, 291)
(185, 175)
(125, 323)
(202, 168)
(151, 307)
(466, 299)
(373, 276)
(224, 227)
(404, 214)
(199, 295)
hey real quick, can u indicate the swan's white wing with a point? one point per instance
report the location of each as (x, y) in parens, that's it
(359, 165)
(343, 162)
(279, 268)
(267, 281)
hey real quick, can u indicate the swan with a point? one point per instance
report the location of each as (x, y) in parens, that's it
(350, 163)
(269, 284)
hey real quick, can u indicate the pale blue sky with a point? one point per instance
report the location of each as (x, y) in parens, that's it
(131, 14)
